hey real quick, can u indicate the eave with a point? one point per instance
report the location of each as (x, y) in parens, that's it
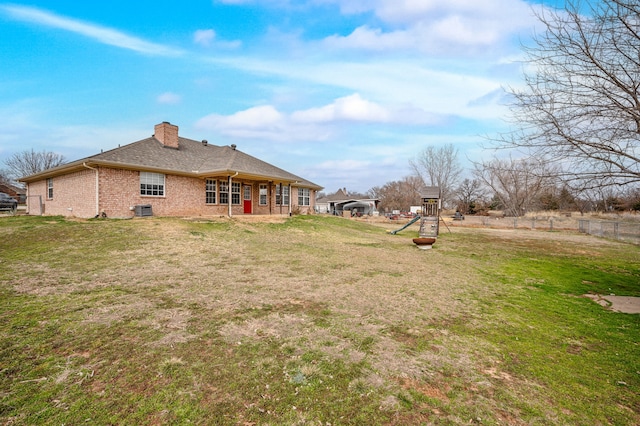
(84, 164)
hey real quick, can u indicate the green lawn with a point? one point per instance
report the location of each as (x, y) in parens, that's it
(311, 320)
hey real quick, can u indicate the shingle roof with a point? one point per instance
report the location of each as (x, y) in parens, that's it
(340, 195)
(431, 192)
(192, 158)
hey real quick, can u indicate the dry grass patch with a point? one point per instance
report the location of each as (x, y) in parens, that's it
(303, 320)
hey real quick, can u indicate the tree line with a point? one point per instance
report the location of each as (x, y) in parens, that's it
(514, 186)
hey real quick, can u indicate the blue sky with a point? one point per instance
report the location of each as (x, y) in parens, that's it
(341, 92)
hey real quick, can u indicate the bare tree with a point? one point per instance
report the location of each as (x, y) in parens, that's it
(439, 167)
(4, 177)
(468, 194)
(517, 183)
(580, 106)
(26, 163)
(398, 195)
(632, 198)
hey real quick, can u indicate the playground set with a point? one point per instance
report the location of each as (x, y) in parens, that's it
(429, 218)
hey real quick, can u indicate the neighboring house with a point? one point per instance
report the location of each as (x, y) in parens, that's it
(340, 201)
(14, 191)
(168, 175)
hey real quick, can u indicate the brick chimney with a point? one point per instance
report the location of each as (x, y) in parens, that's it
(167, 133)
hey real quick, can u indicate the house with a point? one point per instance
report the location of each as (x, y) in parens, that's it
(168, 175)
(342, 201)
(14, 191)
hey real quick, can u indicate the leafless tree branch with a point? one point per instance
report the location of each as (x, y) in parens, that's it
(26, 163)
(580, 105)
(439, 167)
(518, 183)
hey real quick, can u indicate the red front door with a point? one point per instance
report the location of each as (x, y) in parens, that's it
(247, 199)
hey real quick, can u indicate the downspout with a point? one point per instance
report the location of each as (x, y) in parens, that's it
(290, 197)
(97, 188)
(230, 194)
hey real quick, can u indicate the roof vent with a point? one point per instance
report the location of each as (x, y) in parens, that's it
(205, 142)
(233, 146)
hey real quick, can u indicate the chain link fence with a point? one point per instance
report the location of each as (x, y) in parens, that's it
(624, 231)
(619, 230)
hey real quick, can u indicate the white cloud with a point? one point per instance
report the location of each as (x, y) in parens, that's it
(412, 91)
(368, 38)
(257, 117)
(356, 175)
(341, 173)
(498, 96)
(99, 33)
(204, 37)
(349, 108)
(208, 38)
(412, 11)
(356, 109)
(261, 122)
(434, 26)
(169, 98)
(314, 123)
(26, 123)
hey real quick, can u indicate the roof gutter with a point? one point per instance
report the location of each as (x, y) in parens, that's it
(229, 194)
(97, 187)
(79, 164)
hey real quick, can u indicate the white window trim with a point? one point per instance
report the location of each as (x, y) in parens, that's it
(236, 189)
(154, 175)
(304, 194)
(214, 191)
(265, 188)
(223, 189)
(285, 198)
(50, 189)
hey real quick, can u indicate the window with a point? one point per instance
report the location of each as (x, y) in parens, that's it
(235, 193)
(304, 197)
(50, 188)
(152, 184)
(263, 195)
(282, 200)
(210, 191)
(224, 192)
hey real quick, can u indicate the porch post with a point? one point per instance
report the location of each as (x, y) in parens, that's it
(269, 194)
(230, 196)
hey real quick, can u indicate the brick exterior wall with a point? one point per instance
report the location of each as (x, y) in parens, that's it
(74, 194)
(119, 193)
